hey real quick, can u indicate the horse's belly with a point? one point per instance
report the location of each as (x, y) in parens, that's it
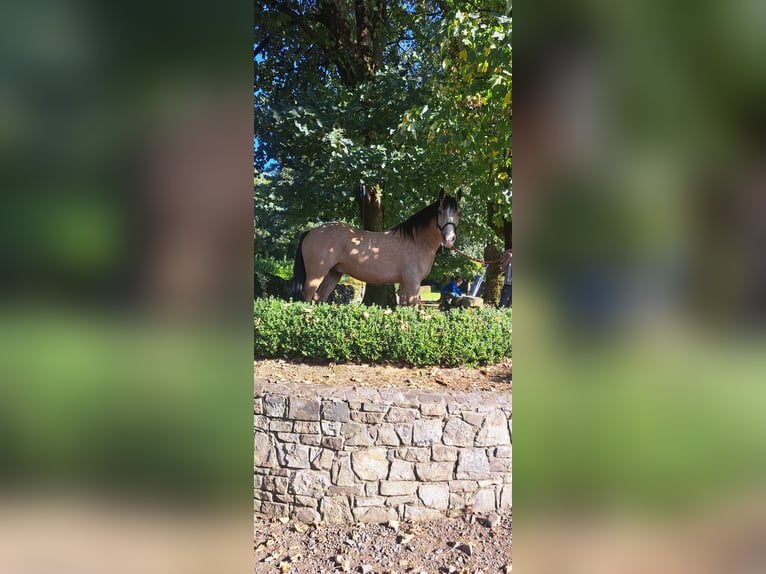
(369, 272)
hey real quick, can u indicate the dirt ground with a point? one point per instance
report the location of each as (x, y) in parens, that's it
(467, 545)
(490, 378)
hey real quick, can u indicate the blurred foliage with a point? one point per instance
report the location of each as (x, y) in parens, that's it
(120, 405)
(351, 333)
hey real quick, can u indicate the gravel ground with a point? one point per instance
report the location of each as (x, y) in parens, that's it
(496, 377)
(470, 544)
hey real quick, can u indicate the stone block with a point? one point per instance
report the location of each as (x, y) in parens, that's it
(355, 490)
(332, 428)
(500, 465)
(312, 483)
(401, 470)
(483, 500)
(426, 432)
(370, 501)
(504, 452)
(371, 488)
(288, 437)
(307, 501)
(323, 459)
(275, 509)
(342, 475)
(303, 427)
(397, 488)
(375, 408)
(463, 485)
(306, 515)
(474, 418)
(311, 439)
(404, 432)
(335, 411)
(304, 409)
(274, 406)
(333, 442)
(367, 418)
(375, 514)
(434, 495)
(434, 471)
(387, 436)
(433, 409)
(260, 422)
(441, 453)
(258, 406)
(275, 484)
(411, 454)
(506, 497)
(294, 455)
(417, 513)
(459, 433)
(402, 415)
(280, 426)
(472, 464)
(336, 510)
(371, 463)
(357, 434)
(263, 451)
(457, 500)
(395, 501)
(494, 430)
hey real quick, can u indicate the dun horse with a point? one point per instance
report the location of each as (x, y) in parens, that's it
(403, 254)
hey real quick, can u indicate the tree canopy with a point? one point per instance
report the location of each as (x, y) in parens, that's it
(364, 110)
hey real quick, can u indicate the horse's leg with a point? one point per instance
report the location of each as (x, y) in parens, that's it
(409, 292)
(314, 278)
(328, 284)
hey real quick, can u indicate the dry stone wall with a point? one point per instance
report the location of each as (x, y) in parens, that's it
(359, 454)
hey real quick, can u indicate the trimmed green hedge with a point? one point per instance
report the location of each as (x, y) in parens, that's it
(355, 333)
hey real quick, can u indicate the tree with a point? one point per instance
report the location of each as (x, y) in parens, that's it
(368, 110)
(469, 118)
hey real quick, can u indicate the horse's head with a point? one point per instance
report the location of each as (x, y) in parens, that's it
(447, 217)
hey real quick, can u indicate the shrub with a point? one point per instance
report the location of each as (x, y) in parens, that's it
(406, 335)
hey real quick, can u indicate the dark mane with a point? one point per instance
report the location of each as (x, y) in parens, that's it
(422, 219)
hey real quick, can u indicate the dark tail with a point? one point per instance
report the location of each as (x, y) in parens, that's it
(299, 273)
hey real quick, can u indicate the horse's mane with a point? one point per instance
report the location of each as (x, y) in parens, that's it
(422, 219)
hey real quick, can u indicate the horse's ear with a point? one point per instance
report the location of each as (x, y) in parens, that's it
(459, 195)
(441, 195)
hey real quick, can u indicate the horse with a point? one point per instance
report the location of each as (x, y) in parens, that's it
(403, 254)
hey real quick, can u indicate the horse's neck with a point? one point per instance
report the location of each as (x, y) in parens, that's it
(431, 238)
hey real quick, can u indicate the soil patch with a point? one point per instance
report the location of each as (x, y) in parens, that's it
(496, 377)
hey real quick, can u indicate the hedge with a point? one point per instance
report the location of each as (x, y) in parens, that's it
(405, 335)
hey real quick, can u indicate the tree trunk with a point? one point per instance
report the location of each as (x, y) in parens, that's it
(370, 200)
(495, 276)
(358, 57)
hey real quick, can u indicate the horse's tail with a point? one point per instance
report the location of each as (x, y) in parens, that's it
(299, 273)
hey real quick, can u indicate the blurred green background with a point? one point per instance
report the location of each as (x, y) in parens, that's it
(126, 177)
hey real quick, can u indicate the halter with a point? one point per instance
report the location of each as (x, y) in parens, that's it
(449, 222)
(443, 227)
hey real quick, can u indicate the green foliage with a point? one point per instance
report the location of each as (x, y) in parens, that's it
(267, 265)
(436, 112)
(405, 335)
